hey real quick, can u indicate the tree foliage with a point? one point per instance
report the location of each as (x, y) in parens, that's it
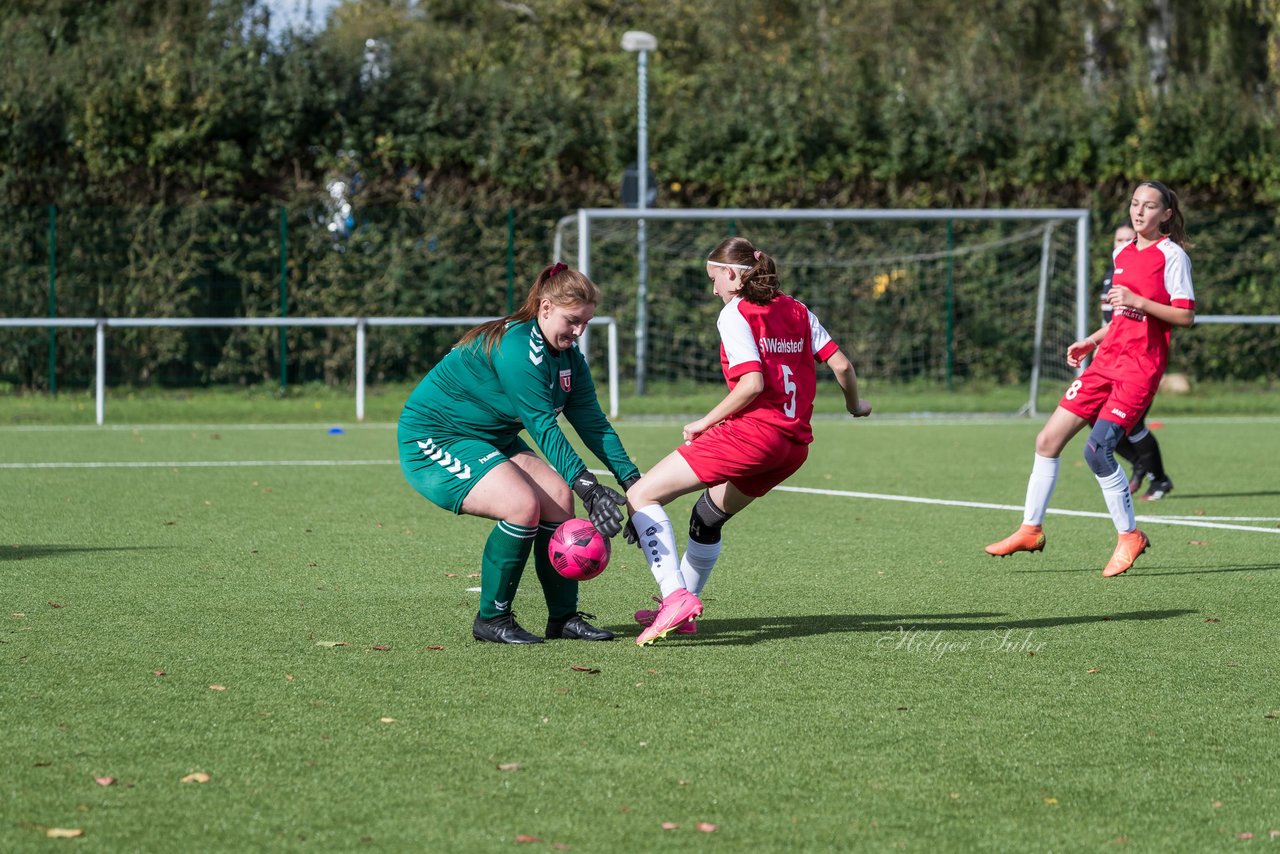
(751, 101)
(424, 106)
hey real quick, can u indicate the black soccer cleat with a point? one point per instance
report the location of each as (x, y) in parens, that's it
(501, 629)
(1158, 489)
(575, 627)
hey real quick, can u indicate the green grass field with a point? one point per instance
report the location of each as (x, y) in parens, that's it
(272, 606)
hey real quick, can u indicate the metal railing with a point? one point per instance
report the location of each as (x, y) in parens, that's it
(361, 325)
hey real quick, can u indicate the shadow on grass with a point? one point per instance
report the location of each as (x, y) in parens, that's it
(1244, 567)
(15, 552)
(1183, 496)
(752, 630)
(1141, 571)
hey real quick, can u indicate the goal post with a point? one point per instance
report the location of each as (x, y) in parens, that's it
(914, 296)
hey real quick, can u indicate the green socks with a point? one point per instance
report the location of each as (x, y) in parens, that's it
(502, 564)
(561, 593)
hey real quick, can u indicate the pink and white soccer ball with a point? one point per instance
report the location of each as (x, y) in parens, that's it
(578, 550)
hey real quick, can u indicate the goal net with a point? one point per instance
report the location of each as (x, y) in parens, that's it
(931, 298)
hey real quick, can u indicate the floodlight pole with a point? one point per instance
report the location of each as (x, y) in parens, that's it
(640, 43)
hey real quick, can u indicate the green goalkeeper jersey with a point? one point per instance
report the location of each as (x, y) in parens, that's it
(525, 386)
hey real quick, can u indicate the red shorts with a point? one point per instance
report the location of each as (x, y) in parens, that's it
(1093, 396)
(753, 458)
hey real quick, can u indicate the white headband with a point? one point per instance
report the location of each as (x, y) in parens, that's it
(730, 266)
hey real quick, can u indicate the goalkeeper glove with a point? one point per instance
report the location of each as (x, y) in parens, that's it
(601, 503)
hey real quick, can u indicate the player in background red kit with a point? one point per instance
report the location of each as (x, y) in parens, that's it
(1140, 447)
(1150, 293)
(750, 442)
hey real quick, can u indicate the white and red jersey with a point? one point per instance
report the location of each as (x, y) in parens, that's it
(781, 340)
(1136, 347)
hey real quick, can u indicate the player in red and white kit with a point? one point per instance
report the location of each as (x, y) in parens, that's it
(1150, 293)
(750, 442)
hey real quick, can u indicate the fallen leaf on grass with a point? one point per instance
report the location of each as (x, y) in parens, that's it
(434, 648)
(1053, 802)
(561, 846)
(1213, 620)
(582, 668)
(17, 614)
(1197, 543)
(158, 673)
(288, 677)
(670, 825)
(380, 647)
(330, 644)
(105, 781)
(217, 687)
(197, 777)
(524, 837)
(707, 827)
(388, 721)
(1217, 805)
(473, 575)
(508, 766)
(451, 575)
(54, 605)
(1094, 670)
(1245, 835)
(64, 832)
(1275, 834)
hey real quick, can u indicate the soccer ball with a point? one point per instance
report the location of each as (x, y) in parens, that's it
(578, 550)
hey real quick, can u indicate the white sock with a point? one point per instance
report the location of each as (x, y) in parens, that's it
(658, 543)
(1115, 489)
(698, 561)
(1044, 475)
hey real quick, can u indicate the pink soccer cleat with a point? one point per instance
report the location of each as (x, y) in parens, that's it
(678, 608)
(646, 618)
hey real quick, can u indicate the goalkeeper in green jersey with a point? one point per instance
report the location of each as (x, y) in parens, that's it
(460, 448)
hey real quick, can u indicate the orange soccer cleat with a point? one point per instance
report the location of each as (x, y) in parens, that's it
(1128, 547)
(1028, 538)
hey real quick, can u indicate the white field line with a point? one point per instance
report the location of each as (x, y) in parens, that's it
(199, 428)
(981, 505)
(1189, 522)
(199, 464)
(644, 421)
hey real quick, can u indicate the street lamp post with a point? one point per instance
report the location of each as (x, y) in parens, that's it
(641, 43)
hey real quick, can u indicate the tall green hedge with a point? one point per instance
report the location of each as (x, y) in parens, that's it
(168, 133)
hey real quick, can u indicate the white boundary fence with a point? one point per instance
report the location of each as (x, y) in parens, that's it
(361, 324)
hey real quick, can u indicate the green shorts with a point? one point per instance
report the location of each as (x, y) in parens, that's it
(444, 470)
